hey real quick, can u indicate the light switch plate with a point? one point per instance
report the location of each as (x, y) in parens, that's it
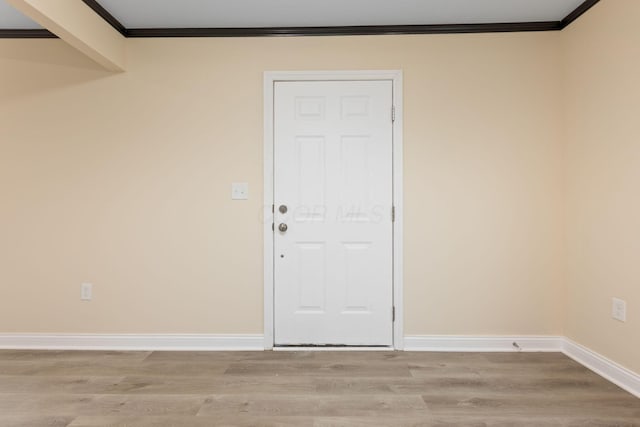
(86, 292)
(619, 309)
(239, 191)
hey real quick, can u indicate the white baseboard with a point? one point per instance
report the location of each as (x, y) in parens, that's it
(619, 375)
(276, 348)
(130, 342)
(608, 369)
(462, 343)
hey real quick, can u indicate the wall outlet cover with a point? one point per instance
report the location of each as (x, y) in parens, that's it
(239, 191)
(86, 291)
(619, 309)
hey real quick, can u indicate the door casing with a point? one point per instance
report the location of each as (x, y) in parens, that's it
(270, 77)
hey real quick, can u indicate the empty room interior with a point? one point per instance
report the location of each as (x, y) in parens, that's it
(336, 213)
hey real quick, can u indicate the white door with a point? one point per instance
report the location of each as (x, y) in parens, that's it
(333, 192)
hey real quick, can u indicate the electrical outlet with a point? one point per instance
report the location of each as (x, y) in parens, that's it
(239, 191)
(619, 310)
(86, 291)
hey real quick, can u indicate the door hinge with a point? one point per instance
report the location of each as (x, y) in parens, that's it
(393, 113)
(273, 208)
(393, 214)
(393, 314)
(273, 226)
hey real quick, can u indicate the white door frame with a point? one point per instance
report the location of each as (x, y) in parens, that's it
(270, 78)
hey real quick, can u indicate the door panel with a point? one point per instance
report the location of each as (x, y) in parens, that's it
(311, 278)
(333, 172)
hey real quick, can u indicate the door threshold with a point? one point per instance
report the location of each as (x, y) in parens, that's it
(331, 348)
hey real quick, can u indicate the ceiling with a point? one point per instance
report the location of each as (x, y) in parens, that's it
(11, 19)
(307, 13)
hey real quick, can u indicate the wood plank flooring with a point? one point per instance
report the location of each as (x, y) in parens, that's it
(78, 389)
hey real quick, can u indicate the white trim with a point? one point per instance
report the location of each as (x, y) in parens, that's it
(398, 202)
(606, 368)
(333, 349)
(270, 77)
(132, 342)
(460, 343)
(268, 216)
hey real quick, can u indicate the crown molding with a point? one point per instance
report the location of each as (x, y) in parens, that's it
(577, 13)
(365, 30)
(27, 34)
(104, 14)
(362, 30)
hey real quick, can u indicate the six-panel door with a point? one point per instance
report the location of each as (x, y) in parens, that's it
(333, 197)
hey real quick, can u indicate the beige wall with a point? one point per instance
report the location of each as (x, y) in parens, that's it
(123, 180)
(603, 176)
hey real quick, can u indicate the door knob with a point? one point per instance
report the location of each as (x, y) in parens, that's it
(283, 227)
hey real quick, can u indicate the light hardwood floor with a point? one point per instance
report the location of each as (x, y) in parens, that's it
(56, 388)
